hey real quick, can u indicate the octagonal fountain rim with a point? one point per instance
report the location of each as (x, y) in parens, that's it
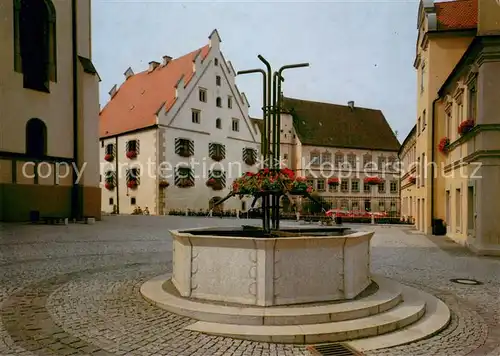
(235, 233)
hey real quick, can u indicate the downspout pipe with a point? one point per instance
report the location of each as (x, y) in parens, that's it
(75, 194)
(433, 155)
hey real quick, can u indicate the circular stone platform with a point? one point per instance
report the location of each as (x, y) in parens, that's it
(307, 265)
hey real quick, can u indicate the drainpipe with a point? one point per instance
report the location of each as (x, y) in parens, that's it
(433, 157)
(75, 194)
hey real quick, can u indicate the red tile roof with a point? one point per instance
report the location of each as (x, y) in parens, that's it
(457, 15)
(139, 98)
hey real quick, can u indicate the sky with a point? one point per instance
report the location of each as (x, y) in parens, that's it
(358, 50)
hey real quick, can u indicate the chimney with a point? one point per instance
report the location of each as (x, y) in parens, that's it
(153, 65)
(351, 105)
(166, 60)
(112, 92)
(128, 73)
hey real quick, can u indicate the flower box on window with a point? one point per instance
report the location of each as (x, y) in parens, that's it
(373, 180)
(466, 127)
(215, 184)
(444, 145)
(185, 183)
(109, 157)
(333, 182)
(131, 154)
(109, 186)
(132, 184)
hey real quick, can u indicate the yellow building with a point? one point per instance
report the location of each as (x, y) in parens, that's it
(407, 158)
(49, 110)
(457, 144)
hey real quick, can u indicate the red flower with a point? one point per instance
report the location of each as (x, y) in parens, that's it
(132, 184)
(333, 181)
(373, 180)
(109, 186)
(444, 145)
(131, 154)
(210, 182)
(412, 179)
(109, 157)
(465, 126)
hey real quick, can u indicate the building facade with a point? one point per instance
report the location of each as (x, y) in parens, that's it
(457, 160)
(323, 140)
(183, 124)
(49, 107)
(407, 158)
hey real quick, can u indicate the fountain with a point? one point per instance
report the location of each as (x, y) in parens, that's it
(287, 284)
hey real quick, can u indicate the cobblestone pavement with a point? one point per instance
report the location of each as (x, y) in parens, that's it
(74, 290)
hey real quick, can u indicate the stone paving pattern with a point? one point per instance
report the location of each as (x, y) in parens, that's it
(74, 290)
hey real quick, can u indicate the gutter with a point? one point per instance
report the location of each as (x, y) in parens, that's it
(433, 157)
(75, 199)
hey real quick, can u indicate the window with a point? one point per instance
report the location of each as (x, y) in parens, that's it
(367, 160)
(285, 156)
(355, 186)
(217, 151)
(314, 157)
(184, 147)
(472, 102)
(424, 123)
(448, 123)
(35, 43)
(423, 171)
(381, 163)
(236, 125)
(110, 149)
(394, 186)
(344, 187)
(203, 95)
(36, 138)
(351, 160)
(111, 201)
(132, 201)
(219, 177)
(102, 144)
(339, 159)
(458, 212)
(326, 157)
(392, 163)
(366, 188)
(381, 187)
(249, 156)
(195, 116)
(218, 102)
(218, 123)
(320, 185)
(217, 80)
(184, 177)
(381, 206)
(471, 209)
(418, 126)
(422, 78)
(310, 182)
(355, 205)
(132, 146)
(216, 62)
(229, 102)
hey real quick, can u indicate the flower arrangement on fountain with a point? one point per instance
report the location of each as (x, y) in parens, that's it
(215, 184)
(333, 182)
(272, 181)
(373, 180)
(466, 127)
(412, 179)
(444, 145)
(109, 157)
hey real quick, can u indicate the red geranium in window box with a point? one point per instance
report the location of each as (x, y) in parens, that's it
(465, 126)
(131, 154)
(444, 145)
(132, 184)
(109, 157)
(373, 180)
(109, 186)
(333, 182)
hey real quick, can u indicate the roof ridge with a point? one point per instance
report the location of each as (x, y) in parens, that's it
(330, 103)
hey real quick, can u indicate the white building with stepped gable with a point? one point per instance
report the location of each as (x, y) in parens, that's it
(178, 123)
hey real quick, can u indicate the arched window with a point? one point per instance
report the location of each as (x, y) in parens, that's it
(218, 102)
(218, 123)
(35, 42)
(36, 138)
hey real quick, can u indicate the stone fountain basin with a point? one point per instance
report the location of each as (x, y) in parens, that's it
(238, 266)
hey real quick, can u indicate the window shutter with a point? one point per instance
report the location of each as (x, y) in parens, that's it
(137, 146)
